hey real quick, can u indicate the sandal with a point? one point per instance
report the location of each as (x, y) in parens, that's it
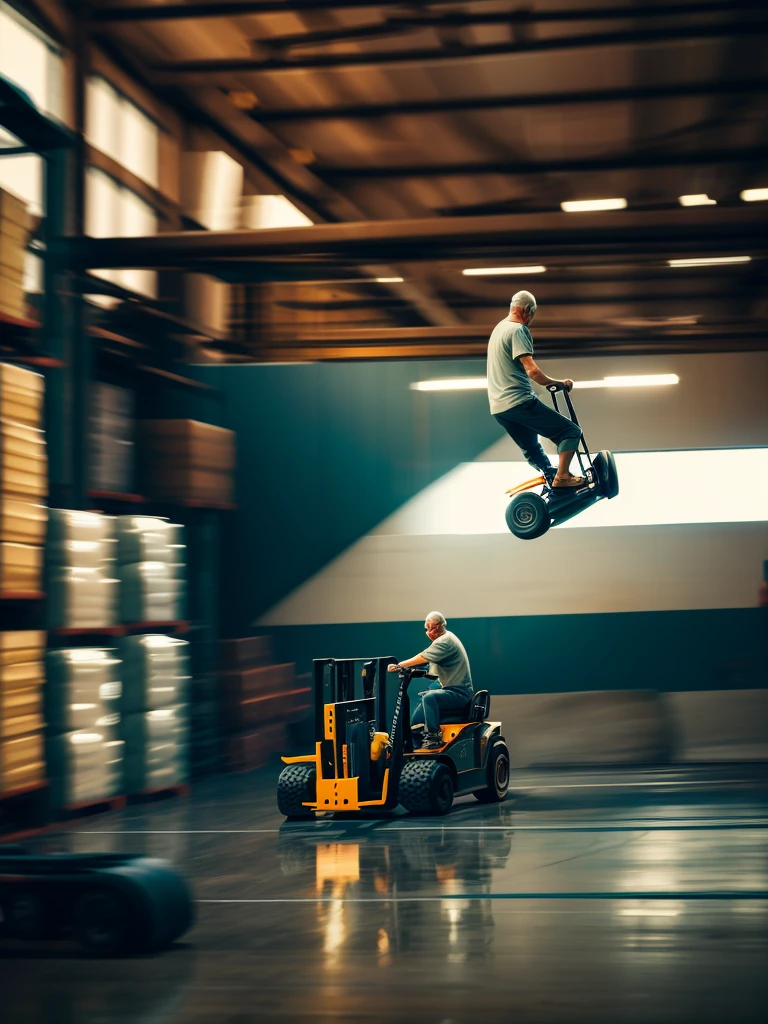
(576, 481)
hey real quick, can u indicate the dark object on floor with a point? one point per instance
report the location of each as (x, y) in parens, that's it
(109, 903)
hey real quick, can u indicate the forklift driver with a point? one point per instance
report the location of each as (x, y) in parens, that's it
(453, 688)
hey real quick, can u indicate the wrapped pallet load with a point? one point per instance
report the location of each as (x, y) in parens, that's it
(111, 438)
(152, 569)
(82, 585)
(22, 674)
(14, 232)
(82, 710)
(155, 712)
(23, 480)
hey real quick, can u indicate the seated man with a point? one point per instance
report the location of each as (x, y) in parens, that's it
(511, 368)
(452, 690)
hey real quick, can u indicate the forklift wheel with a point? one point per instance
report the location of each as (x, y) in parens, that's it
(27, 915)
(426, 787)
(498, 775)
(295, 787)
(103, 923)
(607, 477)
(528, 516)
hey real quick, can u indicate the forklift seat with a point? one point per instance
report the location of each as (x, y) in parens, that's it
(477, 710)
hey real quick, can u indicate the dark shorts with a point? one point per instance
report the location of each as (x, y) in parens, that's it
(526, 422)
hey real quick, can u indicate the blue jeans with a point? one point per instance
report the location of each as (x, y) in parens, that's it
(525, 422)
(426, 710)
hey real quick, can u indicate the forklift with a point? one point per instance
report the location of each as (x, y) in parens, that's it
(365, 756)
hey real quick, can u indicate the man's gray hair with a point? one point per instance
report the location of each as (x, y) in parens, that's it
(437, 617)
(523, 300)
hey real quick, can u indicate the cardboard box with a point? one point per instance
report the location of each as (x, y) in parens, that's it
(21, 396)
(185, 459)
(254, 749)
(22, 522)
(23, 457)
(22, 761)
(235, 687)
(245, 652)
(21, 568)
(14, 209)
(272, 707)
(13, 275)
(200, 445)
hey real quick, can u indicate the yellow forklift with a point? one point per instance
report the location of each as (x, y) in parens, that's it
(365, 757)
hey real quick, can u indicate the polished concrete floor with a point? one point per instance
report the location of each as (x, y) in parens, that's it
(597, 897)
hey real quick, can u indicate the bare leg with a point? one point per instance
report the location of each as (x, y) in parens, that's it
(564, 477)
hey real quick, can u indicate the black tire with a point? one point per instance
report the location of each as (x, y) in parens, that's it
(498, 775)
(26, 915)
(528, 516)
(426, 787)
(103, 923)
(607, 476)
(296, 786)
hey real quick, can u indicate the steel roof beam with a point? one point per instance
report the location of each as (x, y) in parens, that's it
(700, 231)
(115, 14)
(185, 71)
(547, 99)
(628, 162)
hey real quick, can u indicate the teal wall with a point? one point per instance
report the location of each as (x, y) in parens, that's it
(325, 452)
(679, 650)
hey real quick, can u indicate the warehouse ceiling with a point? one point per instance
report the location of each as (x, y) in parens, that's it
(485, 116)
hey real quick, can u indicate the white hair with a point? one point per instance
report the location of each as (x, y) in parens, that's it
(525, 301)
(437, 617)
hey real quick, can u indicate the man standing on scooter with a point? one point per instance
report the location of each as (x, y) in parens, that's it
(511, 368)
(451, 690)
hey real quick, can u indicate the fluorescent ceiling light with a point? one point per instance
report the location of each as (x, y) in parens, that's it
(649, 380)
(389, 280)
(709, 261)
(489, 271)
(700, 199)
(481, 383)
(453, 384)
(754, 195)
(586, 205)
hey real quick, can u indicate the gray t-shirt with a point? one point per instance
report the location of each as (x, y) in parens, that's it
(449, 662)
(508, 383)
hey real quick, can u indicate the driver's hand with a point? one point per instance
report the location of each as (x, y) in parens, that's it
(567, 384)
(393, 668)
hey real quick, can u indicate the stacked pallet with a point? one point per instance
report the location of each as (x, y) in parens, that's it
(259, 702)
(186, 461)
(155, 712)
(14, 228)
(22, 675)
(82, 713)
(80, 566)
(111, 438)
(23, 480)
(152, 569)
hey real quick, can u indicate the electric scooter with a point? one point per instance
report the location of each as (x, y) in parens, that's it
(530, 513)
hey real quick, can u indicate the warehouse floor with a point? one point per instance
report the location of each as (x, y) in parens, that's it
(609, 896)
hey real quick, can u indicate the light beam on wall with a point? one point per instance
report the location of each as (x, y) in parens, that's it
(655, 488)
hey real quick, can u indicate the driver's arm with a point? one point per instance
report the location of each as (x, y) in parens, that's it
(537, 374)
(418, 660)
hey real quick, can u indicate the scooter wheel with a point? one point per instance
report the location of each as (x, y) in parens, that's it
(528, 516)
(607, 476)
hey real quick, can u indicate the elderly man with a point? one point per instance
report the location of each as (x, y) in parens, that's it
(511, 368)
(451, 691)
